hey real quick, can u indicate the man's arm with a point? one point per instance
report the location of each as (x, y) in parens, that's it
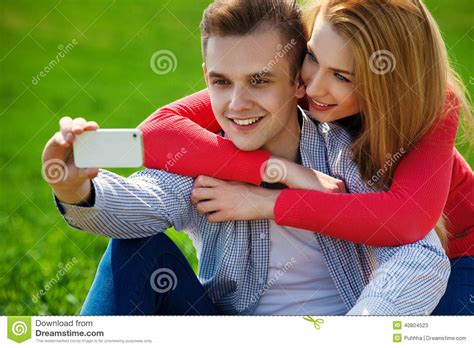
(144, 204)
(410, 280)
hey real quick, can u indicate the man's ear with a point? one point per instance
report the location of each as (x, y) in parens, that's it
(300, 87)
(204, 69)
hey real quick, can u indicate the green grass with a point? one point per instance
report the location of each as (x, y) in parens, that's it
(106, 77)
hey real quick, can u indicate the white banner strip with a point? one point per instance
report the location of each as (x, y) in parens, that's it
(237, 331)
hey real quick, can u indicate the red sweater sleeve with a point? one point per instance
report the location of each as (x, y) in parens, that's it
(404, 214)
(175, 139)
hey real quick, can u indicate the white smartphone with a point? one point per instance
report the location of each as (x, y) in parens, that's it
(109, 148)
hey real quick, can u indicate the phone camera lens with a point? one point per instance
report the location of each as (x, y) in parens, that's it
(134, 135)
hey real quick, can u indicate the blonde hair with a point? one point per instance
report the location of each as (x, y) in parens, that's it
(403, 77)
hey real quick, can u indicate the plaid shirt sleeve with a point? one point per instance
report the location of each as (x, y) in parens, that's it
(410, 280)
(146, 203)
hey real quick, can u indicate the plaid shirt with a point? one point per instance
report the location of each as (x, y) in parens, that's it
(234, 255)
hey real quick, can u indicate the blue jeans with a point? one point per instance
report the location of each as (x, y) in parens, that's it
(146, 276)
(459, 296)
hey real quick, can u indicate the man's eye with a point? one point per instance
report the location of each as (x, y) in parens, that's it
(220, 82)
(258, 81)
(340, 77)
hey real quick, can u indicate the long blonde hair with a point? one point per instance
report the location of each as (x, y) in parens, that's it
(402, 76)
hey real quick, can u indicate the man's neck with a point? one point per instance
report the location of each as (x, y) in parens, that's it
(287, 143)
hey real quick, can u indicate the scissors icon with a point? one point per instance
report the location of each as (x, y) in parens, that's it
(316, 322)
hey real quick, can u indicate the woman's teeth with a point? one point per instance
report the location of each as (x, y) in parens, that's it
(246, 122)
(321, 104)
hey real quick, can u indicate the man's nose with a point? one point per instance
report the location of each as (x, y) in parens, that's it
(241, 99)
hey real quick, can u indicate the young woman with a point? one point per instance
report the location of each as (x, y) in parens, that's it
(380, 69)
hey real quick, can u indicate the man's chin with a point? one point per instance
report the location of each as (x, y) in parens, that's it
(247, 145)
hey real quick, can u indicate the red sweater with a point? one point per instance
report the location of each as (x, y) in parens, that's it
(431, 179)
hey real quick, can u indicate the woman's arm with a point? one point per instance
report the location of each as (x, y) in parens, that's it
(404, 214)
(180, 138)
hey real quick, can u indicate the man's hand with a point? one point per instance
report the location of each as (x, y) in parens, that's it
(230, 201)
(295, 176)
(70, 184)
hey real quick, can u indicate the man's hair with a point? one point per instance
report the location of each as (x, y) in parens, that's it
(243, 17)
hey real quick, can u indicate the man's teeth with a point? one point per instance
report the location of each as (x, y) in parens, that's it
(246, 122)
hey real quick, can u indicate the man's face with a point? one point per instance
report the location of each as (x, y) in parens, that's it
(251, 90)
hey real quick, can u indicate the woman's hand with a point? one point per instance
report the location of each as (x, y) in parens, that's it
(230, 201)
(295, 176)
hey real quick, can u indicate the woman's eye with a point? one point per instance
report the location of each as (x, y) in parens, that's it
(341, 78)
(312, 57)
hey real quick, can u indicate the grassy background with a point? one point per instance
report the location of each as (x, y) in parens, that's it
(106, 77)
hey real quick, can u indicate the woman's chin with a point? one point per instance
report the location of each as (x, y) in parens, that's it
(323, 116)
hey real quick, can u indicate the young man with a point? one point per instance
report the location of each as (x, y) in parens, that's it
(245, 267)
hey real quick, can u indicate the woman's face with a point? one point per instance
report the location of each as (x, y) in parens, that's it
(328, 74)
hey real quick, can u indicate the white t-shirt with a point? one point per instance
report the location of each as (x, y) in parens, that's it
(298, 281)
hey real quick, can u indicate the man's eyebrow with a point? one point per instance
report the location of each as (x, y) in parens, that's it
(213, 73)
(263, 73)
(260, 74)
(333, 69)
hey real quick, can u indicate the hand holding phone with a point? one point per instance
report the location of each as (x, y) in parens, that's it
(71, 183)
